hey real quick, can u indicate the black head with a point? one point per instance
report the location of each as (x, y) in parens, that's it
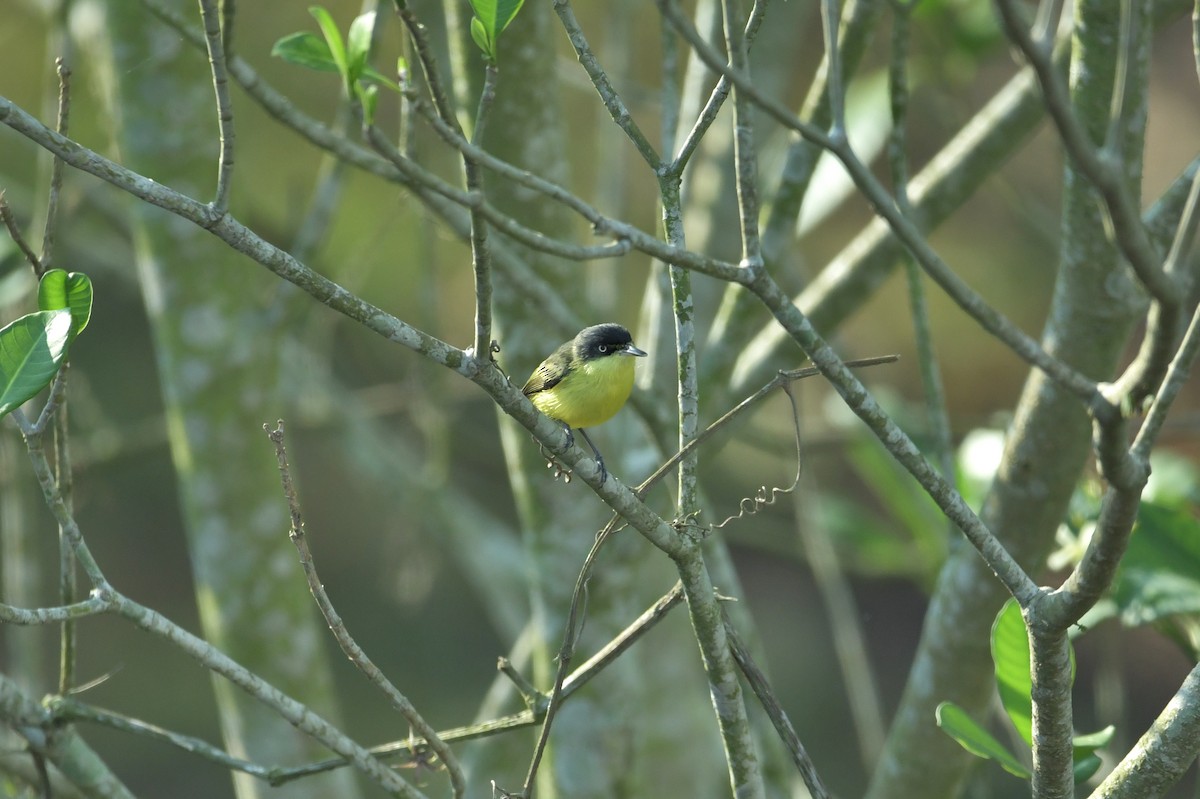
(599, 341)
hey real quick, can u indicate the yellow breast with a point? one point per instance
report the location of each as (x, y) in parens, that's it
(591, 395)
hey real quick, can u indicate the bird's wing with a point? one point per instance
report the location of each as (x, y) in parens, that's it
(548, 374)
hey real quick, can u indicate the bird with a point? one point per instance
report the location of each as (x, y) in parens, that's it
(586, 381)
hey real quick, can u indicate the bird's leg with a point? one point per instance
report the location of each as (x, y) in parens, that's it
(599, 457)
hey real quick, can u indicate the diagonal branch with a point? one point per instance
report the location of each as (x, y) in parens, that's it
(990, 319)
(350, 647)
(1098, 166)
(608, 95)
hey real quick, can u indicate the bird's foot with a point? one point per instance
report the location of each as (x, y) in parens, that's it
(603, 471)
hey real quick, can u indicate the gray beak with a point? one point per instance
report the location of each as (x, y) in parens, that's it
(632, 350)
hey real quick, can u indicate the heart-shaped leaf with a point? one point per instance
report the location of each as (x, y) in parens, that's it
(31, 350)
(72, 291)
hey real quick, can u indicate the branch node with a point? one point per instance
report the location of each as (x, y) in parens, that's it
(533, 698)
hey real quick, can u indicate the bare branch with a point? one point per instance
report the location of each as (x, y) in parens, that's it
(1099, 166)
(990, 319)
(14, 232)
(97, 603)
(59, 744)
(56, 167)
(215, 42)
(608, 95)
(762, 689)
(342, 635)
(1164, 753)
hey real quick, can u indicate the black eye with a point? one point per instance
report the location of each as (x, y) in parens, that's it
(603, 348)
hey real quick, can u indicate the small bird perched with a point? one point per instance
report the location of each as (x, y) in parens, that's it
(585, 381)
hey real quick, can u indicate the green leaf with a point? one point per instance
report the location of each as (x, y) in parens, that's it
(368, 97)
(955, 722)
(1010, 654)
(333, 38)
(1084, 752)
(309, 50)
(480, 35)
(31, 350)
(1160, 573)
(305, 49)
(490, 20)
(358, 44)
(1085, 767)
(71, 291)
(496, 14)
(1086, 744)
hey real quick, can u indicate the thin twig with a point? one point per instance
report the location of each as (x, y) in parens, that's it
(34, 443)
(67, 710)
(220, 74)
(57, 395)
(608, 95)
(228, 15)
(565, 653)
(347, 643)
(526, 718)
(428, 61)
(481, 255)
(622, 641)
(62, 125)
(716, 98)
(831, 12)
(67, 582)
(1124, 75)
(761, 687)
(990, 319)
(297, 714)
(780, 379)
(91, 606)
(14, 232)
(59, 744)
(744, 158)
(427, 185)
(1185, 233)
(931, 379)
(1177, 376)
(670, 99)
(1164, 323)
(1100, 170)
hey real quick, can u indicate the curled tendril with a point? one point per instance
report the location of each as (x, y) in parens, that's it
(765, 497)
